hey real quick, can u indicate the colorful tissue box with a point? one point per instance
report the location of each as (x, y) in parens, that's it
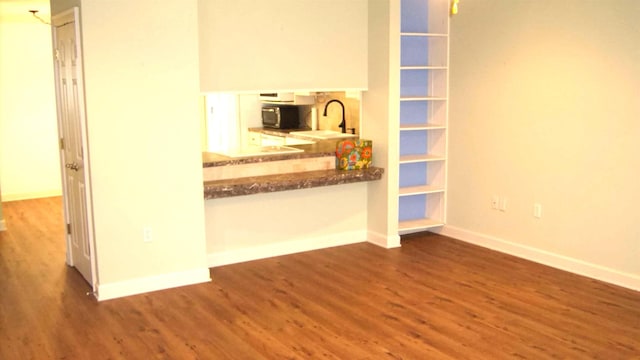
(353, 154)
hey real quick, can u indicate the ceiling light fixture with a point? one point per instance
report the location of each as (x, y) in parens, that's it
(35, 15)
(454, 7)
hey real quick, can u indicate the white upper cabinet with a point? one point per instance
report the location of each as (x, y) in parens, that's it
(251, 46)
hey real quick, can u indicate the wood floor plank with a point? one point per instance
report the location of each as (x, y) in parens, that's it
(433, 298)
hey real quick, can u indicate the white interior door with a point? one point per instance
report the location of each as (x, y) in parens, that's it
(72, 132)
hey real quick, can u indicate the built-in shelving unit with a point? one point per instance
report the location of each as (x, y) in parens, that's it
(424, 65)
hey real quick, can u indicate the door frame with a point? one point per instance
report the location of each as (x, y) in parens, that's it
(64, 18)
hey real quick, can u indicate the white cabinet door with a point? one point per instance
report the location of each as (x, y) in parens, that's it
(255, 138)
(249, 45)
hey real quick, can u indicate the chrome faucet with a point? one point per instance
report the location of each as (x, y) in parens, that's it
(343, 124)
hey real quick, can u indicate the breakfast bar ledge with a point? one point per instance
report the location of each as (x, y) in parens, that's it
(290, 181)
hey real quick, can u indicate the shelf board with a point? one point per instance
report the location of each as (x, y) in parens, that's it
(423, 67)
(409, 127)
(419, 224)
(418, 190)
(423, 34)
(405, 159)
(423, 98)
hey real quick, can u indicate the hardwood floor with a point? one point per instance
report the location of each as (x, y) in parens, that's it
(434, 298)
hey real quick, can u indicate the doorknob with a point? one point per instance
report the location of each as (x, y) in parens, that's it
(72, 166)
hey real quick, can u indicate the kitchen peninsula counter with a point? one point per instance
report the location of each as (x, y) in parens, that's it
(291, 181)
(248, 185)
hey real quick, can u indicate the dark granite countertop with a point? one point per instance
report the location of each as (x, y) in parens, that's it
(275, 132)
(291, 181)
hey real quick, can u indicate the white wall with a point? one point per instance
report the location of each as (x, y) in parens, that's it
(250, 45)
(257, 226)
(377, 109)
(545, 108)
(143, 111)
(58, 6)
(29, 156)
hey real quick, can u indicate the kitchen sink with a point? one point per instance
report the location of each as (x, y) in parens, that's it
(321, 134)
(251, 151)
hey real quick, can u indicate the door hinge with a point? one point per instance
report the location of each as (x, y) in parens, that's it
(68, 229)
(61, 144)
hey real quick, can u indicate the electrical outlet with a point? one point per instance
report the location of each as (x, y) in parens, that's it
(503, 204)
(537, 210)
(147, 234)
(495, 200)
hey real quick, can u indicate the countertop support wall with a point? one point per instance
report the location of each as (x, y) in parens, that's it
(287, 212)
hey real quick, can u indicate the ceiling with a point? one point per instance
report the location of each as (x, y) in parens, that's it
(18, 10)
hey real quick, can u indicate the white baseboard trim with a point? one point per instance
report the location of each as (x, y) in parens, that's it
(382, 240)
(3, 225)
(561, 262)
(284, 248)
(152, 283)
(31, 195)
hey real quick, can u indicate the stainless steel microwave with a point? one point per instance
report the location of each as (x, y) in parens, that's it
(280, 117)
